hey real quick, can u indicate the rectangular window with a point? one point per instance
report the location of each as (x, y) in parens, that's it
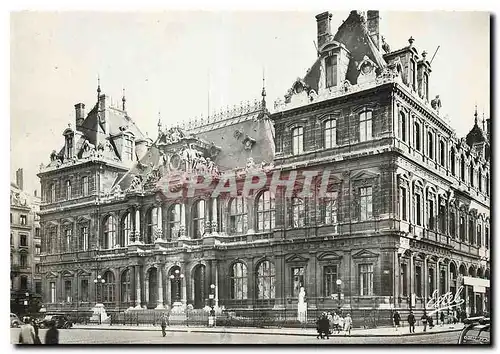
(24, 283)
(416, 136)
(84, 290)
(68, 190)
(486, 237)
(67, 290)
(431, 281)
(329, 208)
(330, 276)
(413, 79)
(68, 235)
(404, 274)
(471, 231)
(442, 153)
(425, 87)
(430, 211)
(11, 218)
(297, 280)
(404, 205)
(69, 147)
(38, 287)
(365, 126)
(365, 203)
(297, 140)
(84, 243)
(129, 149)
(418, 210)
(85, 186)
(298, 212)
(462, 228)
(52, 292)
(37, 232)
(479, 239)
(52, 193)
(442, 218)
(418, 281)
(23, 240)
(23, 260)
(430, 145)
(402, 119)
(23, 219)
(331, 71)
(453, 230)
(37, 250)
(365, 279)
(330, 129)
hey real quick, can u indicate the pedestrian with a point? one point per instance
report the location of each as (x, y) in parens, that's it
(52, 335)
(330, 321)
(430, 322)
(411, 322)
(341, 324)
(336, 319)
(324, 326)
(441, 318)
(397, 319)
(347, 324)
(424, 321)
(318, 327)
(27, 334)
(163, 324)
(35, 328)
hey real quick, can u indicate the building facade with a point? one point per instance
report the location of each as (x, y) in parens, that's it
(25, 246)
(353, 187)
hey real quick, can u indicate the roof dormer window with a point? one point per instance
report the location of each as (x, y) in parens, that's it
(413, 74)
(128, 152)
(331, 71)
(69, 146)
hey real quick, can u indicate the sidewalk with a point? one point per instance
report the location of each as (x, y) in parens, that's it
(357, 332)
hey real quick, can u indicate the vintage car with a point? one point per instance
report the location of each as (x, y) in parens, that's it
(476, 331)
(14, 320)
(61, 321)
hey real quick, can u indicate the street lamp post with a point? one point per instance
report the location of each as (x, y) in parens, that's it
(176, 277)
(26, 302)
(98, 281)
(211, 296)
(339, 290)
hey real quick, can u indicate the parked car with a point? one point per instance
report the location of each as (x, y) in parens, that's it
(476, 331)
(61, 321)
(14, 320)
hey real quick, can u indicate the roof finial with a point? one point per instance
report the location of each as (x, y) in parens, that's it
(483, 118)
(98, 86)
(475, 116)
(123, 100)
(411, 40)
(263, 88)
(159, 122)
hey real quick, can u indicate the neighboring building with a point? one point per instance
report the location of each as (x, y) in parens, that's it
(403, 210)
(25, 244)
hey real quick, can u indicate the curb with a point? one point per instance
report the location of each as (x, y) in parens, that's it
(186, 330)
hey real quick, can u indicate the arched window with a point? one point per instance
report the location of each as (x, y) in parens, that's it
(487, 184)
(462, 228)
(126, 230)
(174, 221)
(330, 132)
(452, 162)
(265, 280)
(126, 287)
(471, 231)
(239, 281)
(442, 152)
(331, 71)
(109, 233)
(416, 136)
(402, 122)
(480, 179)
(52, 195)
(471, 175)
(265, 211)
(297, 141)
(479, 238)
(298, 212)
(198, 214)
(430, 145)
(237, 215)
(108, 288)
(153, 224)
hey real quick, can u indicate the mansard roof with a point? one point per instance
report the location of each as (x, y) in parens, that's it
(475, 136)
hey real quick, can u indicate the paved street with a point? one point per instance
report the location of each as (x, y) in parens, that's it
(90, 336)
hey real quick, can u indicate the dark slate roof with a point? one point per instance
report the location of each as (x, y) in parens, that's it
(475, 136)
(312, 77)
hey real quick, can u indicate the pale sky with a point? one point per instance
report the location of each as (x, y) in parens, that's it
(164, 61)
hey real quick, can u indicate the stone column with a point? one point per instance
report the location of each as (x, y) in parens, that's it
(184, 291)
(216, 300)
(159, 273)
(168, 290)
(425, 277)
(137, 272)
(215, 220)
(164, 222)
(411, 276)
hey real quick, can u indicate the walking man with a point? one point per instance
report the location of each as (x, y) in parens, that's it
(397, 318)
(411, 322)
(424, 321)
(52, 335)
(163, 325)
(441, 318)
(27, 334)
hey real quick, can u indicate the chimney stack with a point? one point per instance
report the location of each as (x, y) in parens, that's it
(324, 29)
(372, 25)
(19, 178)
(79, 113)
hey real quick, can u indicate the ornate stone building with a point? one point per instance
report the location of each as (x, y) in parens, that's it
(397, 205)
(25, 246)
